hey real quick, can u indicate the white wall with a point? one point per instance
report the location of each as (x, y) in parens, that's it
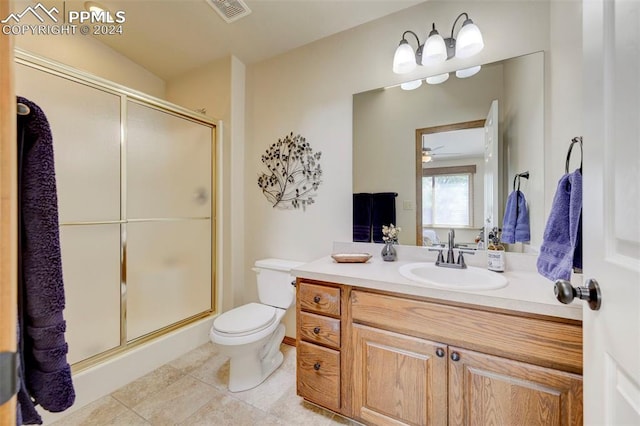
(309, 91)
(563, 99)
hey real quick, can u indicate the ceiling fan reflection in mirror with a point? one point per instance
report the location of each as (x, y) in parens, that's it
(429, 154)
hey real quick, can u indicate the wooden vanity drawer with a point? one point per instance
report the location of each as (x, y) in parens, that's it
(319, 329)
(319, 298)
(548, 343)
(319, 375)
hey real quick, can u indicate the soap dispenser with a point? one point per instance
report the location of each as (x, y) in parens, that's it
(495, 252)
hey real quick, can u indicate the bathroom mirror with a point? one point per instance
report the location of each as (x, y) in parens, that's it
(386, 145)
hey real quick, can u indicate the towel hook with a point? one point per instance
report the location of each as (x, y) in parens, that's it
(517, 178)
(577, 139)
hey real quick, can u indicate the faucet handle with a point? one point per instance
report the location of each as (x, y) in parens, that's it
(461, 260)
(465, 250)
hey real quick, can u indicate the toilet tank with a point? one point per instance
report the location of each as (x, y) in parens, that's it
(274, 282)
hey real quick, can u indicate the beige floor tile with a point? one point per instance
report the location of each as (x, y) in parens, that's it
(141, 389)
(293, 410)
(128, 419)
(194, 359)
(192, 391)
(176, 402)
(99, 412)
(214, 371)
(227, 410)
(271, 390)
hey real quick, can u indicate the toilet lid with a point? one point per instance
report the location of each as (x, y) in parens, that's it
(245, 318)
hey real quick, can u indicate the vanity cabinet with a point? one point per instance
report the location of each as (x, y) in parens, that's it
(405, 360)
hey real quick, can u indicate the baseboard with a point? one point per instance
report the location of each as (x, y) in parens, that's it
(291, 341)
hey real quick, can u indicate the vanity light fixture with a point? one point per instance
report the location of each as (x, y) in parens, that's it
(436, 49)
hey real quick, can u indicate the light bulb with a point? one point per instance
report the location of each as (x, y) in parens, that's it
(437, 79)
(468, 72)
(434, 51)
(404, 60)
(469, 40)
(410, 85)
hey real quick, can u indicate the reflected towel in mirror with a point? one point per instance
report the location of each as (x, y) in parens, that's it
(515, 225)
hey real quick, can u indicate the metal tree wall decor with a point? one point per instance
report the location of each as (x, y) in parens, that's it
(293, 173)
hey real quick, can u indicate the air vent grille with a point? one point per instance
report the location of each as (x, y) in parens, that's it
(230, 10)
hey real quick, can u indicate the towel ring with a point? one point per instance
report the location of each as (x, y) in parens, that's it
(577, 139)
(517, 177)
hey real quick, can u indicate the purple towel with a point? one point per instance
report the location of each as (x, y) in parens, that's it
(45, 375)
(560, 249)
(515, 225)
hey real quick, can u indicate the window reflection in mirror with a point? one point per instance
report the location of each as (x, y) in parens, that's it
(449, 181)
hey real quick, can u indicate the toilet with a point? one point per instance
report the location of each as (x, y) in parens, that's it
(250, 335)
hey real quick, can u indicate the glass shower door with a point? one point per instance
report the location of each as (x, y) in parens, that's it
(168, 209)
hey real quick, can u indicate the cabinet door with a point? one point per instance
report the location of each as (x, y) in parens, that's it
(485, 390)
(398, 379)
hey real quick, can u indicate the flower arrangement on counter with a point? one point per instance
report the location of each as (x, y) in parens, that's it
(390, 233)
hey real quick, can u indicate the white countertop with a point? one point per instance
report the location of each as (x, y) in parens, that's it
(527, 291)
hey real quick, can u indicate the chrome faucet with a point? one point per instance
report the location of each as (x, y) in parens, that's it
(452, 236)
(451, 262)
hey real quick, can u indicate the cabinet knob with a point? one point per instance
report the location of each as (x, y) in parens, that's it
(316, 330)
(440, 352)
(316, 299)
(455, 356)
(316, 366)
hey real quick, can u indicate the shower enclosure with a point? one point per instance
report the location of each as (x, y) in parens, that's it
(135, 179)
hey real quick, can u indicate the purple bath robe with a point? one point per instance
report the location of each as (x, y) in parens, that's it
(45, 374)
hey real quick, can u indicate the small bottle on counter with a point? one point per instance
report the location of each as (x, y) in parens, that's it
(495, 253)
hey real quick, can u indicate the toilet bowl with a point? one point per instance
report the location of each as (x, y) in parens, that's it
(250, 335)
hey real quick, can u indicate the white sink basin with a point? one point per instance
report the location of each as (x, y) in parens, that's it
(470, 278)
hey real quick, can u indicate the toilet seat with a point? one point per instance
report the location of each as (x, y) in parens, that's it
(246, 319)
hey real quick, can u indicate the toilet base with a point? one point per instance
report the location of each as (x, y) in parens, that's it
(251, 368)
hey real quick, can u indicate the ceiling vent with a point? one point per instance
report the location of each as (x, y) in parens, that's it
(230, 10)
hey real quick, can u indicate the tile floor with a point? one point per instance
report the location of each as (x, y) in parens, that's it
(191, 390)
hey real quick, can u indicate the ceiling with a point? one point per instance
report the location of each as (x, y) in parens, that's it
(455, 143)
(169, 37)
